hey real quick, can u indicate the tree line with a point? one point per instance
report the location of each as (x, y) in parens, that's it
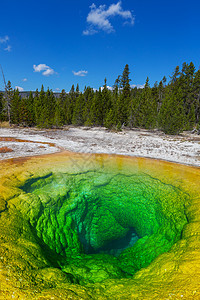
(171, 107)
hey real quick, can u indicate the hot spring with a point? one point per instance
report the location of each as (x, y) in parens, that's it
(90, 225)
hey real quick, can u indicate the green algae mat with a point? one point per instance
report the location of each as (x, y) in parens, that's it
(77, 226)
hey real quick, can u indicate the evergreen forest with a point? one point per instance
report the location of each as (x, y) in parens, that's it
(171, 107)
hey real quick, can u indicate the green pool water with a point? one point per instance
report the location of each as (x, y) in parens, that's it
(103, 223)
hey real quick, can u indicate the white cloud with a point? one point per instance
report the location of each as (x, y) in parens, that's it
(138, 86)
(98, 17)
(81, 73)
(46, 70)
(8, 48)
(24, 79)
(40, 67)
(110, 88)
(57, 90)
(19, 88)
(90, 31)
(4, 39)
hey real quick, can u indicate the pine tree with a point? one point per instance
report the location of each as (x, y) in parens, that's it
(77, 90)
(93, 116)
(186, 81)
(31, 112)
(172, 117)
(110, 119)
(191, 119)
(177, 104)
(196, 92)
(88, 99)
(78, 114)
(71, 103)
(50, 105)
(134, 108)
(27, 117)
(59, 110)
(15, 108)
(175, 76)
(125, 82)
(115, 99)
(106, 101)
(98, 109)
(116, 85)
(147, 108)
(24, 116)
(68, 110)
(123, 102)
(39, 107)
(160, 94)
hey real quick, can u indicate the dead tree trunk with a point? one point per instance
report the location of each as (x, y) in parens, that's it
(7, 98)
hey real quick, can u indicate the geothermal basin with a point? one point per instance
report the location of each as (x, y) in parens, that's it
(92, 226)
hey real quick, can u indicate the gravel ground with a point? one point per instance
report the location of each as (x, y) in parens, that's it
(184, 148)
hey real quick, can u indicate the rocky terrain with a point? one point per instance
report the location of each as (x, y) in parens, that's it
(184, 148)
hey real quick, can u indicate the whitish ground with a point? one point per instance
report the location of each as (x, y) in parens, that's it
(184, 149)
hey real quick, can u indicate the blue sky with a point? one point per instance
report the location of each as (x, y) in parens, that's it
(60, 43)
